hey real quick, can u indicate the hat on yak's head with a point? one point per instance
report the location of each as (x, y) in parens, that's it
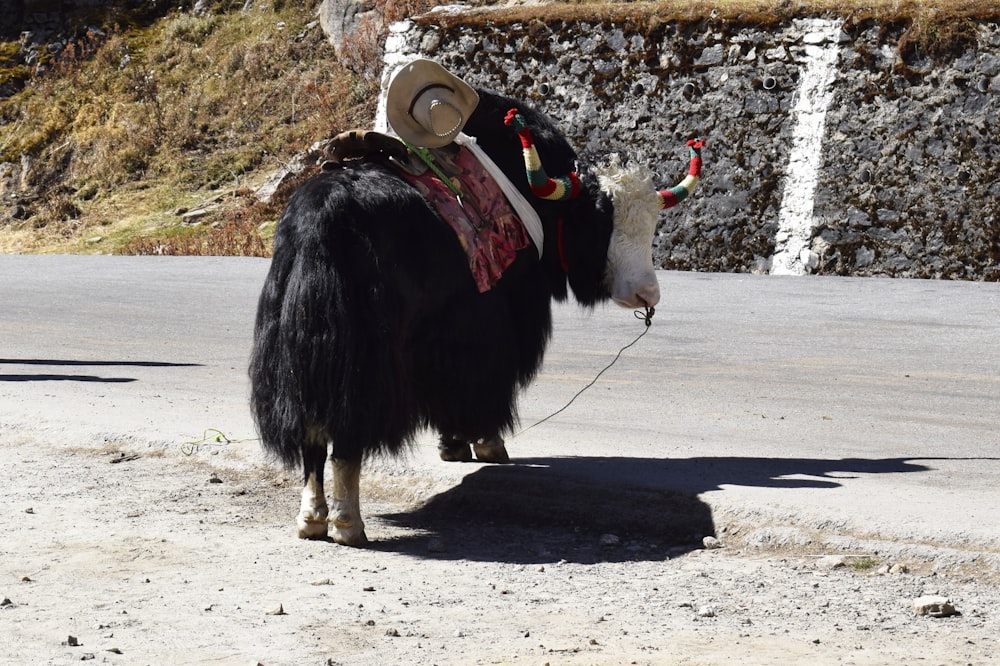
(427, 105)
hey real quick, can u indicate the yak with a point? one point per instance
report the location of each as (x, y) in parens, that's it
(370, 326)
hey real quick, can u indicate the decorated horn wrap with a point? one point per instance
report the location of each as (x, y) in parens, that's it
(680, 191)
(553, 189)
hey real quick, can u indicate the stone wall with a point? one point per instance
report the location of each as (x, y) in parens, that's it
(827, 153)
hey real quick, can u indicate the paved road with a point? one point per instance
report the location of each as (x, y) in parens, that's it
(865, 409)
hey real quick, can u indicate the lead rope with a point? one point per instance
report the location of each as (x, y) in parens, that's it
(647, 317)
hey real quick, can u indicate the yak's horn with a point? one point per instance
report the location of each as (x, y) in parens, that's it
(553, 189)
(680, 191)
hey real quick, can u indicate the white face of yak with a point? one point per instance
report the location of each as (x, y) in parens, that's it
(630, 274)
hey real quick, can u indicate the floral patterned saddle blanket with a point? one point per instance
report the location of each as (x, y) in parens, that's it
(475, 207)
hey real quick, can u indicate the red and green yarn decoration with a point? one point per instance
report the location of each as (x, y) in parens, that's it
(681, 191)
(553, 189)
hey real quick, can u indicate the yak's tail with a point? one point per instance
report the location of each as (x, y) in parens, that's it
(315, 377)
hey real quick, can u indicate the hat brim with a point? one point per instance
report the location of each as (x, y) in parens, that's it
(407, 83)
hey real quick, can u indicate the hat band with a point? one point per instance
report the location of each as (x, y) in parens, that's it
(435, 104)
(436, 112)
(416, 96)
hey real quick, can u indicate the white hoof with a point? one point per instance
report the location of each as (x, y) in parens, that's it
(349, 532)
(311, 526)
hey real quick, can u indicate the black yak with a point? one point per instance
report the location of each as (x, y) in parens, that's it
(371, 325)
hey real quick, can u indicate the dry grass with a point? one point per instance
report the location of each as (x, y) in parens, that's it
(200, 103)
(754, 11)
(937, 30)
(156, 113)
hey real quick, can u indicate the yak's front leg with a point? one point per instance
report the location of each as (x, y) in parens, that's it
(491, 450)
(348, 528)
(454, 449)
(487, 449)
(313, 512)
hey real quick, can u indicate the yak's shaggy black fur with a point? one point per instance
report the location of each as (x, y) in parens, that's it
(370, 326)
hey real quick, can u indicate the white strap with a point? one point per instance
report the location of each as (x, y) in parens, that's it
(521, 206)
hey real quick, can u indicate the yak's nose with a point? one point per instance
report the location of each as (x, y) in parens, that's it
(647, 295)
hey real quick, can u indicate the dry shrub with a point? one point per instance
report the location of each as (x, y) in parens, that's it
(361, 51)
(938, 41)
(57, 214)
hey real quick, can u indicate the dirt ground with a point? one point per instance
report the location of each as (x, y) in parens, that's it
(125, 553)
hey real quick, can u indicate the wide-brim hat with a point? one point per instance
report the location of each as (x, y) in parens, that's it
(427, 105)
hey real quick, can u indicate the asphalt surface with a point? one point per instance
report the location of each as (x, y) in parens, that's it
(868, 409)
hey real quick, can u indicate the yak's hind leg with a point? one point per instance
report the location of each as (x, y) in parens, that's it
(313, 512)
(348, 528)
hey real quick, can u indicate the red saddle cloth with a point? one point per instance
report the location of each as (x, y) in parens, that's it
(489, 230)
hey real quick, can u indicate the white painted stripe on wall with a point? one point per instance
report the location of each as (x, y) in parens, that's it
(795, 218)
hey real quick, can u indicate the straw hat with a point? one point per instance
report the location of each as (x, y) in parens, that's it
(427, 105)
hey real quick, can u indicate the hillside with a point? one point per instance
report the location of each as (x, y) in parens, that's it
(125, 126)
(145, 128)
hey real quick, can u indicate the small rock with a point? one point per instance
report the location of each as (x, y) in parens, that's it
(88, 656)
(72, 641)
(29, 510)
(898, 569)
(459, 634)
(609, 540)
(934, 606)
(280, 610)
(706, 611)
(6, 602)
(193, 217)
(393, 633)
(814, 38)
(830, 562)
(711, 543)
(214, 478)
(321, 581)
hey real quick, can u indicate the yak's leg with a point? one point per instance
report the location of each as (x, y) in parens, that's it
(453, 449)
(348, 528)
(491, 450)
(312, 519)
